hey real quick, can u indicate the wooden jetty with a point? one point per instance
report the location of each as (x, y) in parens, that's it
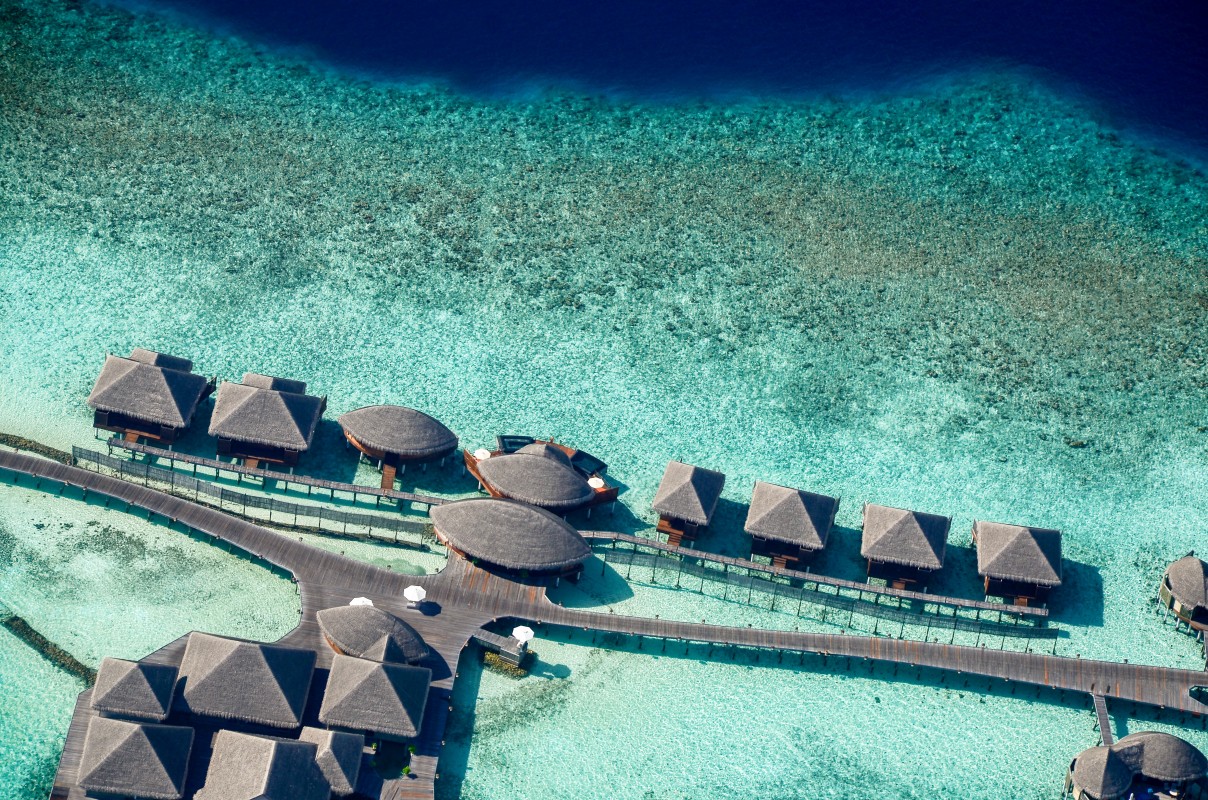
(1103, 719)
(463, 598)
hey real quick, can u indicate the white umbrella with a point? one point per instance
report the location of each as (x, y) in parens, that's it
(360, 601)
(482, 453)
(415, 594)
(595, 482)
(523, 633)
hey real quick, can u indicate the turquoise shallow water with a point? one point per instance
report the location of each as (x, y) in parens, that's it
(973, 299)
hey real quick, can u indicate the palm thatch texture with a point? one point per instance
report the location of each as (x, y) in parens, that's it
(689, 493)
(1017, 553)
(370, 632)
(338, 755)
(509, 534)
(151, 387)
(539, 475)
(1109, 772)
(399, 431)
(134, 689)
(133, 759)
(383, 699)
(246, 767)
(274, 412)
(791, 516)
(908, 538)
(1188, 582)
(228, 679)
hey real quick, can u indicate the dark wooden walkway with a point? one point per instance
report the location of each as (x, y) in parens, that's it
(463, 598)
(1103, 719)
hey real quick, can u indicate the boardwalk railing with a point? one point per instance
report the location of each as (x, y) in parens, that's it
(282, 513)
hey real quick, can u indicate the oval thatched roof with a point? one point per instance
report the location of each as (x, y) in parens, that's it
(539, 480)
(545, 450)
(369, 632)
(1188, 578)
(1102, 774)
(399, 430)
(510, 534)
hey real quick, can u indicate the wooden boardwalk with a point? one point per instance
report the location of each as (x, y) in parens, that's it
(1103, 719)
(463, 598)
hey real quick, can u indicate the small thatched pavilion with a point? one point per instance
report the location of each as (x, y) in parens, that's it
(903, 546)
(538, 474)
(247, 681)
(394, 436)
(789, 525)
(1017, 562)
(338, 754)
(134, 689)
(134, 759)
(1184, 590)
(148, 395)
(1143, 764)
(686, 500)
(247, 767)
(510, 534)
(265, 419)
(385, 700)
(369, 632)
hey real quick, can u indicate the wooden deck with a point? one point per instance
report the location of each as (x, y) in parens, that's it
(1103, 719)
(463, 598)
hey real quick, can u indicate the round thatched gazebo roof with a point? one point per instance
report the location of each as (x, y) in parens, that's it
(539, 480)
(369, 632)
(509, 534)
(1102, 774)
(399, 430)
(1108, 773)
(1188, 579)
(545, 450)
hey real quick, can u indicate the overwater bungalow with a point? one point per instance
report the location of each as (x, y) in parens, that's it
(382, 699)
(903, 546)
(338, 754)
(228, 679)
(135, 759)
(1017, 562)
(511, 535)
(1147, 764)
(567, 480)
(1184, 590)
(134, 689)
(247, 767)
(789, 525)
(265, 419)
(147, 396)
(394, 436)
(371, 633)
(686, 500)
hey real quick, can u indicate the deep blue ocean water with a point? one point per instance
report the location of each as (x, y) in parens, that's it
(1144, 64)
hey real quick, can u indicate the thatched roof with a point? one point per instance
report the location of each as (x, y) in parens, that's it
(510, 534)
(273, 383)
(1016, 553)
(134, 759)
(265, 416)
(546, 450)
(370, 632)
(402, 431)
(152, 393)
(539, 480)
(161, 360)
(689, 493)
(1107, 773)
(338, 755)
(386, 699)
(898, 536)
(791, 515)
(1188, 578)
(134, 689)
(246, 767)
(227, 679)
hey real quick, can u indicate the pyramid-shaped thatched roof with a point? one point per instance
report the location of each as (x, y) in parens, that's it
(509, 534)
(910, 538)
(269, 417)
(161, 359)
(689, 493)
(134, 689)
(246, 767)
(791, 515)
(539, 480)
(399, 430)
(338, 755)
(148, 392)
(386, 699)
(1017, 553)
(1188, 578)
(134, 759)
(229, 679)
(370, 632)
